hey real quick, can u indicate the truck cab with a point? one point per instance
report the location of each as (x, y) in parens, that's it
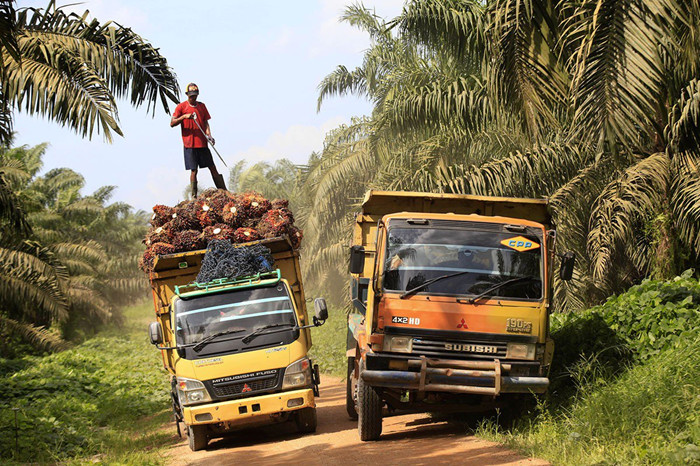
(236, 349)
(453, 296)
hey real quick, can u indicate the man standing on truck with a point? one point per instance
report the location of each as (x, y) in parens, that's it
(194, 137)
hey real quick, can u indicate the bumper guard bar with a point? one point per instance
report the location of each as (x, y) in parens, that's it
(472, 377)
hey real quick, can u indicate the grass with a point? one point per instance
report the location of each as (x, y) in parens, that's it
(625, 383)
(329, 344)
(649, 415)
(102, 401)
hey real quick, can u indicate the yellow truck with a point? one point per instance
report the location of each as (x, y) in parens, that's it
(236, 349)
(452, 296)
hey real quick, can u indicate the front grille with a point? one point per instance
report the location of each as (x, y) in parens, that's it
(250, 387)
(244, 384)
(455, 349)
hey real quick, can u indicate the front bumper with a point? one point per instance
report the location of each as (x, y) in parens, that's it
(453, 376)
(246, 408)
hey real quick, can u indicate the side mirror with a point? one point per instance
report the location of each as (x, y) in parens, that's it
(321, 311)
(357, 259)
(155, 333)
(566, 269)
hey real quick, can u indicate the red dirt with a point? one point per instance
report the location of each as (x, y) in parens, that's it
(406, 439)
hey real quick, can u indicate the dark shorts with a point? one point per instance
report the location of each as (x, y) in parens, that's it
(195, 156)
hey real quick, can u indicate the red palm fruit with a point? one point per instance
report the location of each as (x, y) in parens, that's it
(275, 222)
(296, 235)
(279, 204)
(219, 199)
(244, 235)
(206, 215)
(233, 214)
(161, 249)
(254, 204)
(161, 234)
(218, 231)
(146, 261)
(161, 215)
(189, 240)
(184, 217)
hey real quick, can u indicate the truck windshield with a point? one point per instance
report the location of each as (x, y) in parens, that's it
(235, 312)
(486, 258)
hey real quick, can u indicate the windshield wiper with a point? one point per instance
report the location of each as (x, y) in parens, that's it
(257, 332)
(198, 347)
(500, 285)
(432, 280)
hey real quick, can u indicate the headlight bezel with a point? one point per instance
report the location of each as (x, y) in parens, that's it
(523, 351)
(397, 344)
(297, 374)
(191, 391)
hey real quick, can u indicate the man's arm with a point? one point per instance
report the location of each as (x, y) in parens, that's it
(174, 121)
(207, 132)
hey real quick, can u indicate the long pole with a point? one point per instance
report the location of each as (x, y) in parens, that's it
(194, 117)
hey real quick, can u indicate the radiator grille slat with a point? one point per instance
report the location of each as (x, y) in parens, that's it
(460, 349)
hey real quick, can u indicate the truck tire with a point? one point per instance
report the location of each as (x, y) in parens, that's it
(369, 410)
(350, 387)
(197, 436)
(305, 420)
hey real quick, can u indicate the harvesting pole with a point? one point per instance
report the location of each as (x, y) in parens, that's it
(210, 140)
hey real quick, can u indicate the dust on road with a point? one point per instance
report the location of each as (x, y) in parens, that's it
(408, 439)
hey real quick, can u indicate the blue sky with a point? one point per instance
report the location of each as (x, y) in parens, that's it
(257, 64)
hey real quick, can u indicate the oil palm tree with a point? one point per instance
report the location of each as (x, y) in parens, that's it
(594, 104)
(71, 70)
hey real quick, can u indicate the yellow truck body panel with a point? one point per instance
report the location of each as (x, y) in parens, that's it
(228, 409)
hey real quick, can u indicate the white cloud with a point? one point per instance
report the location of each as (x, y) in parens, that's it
(296, 143)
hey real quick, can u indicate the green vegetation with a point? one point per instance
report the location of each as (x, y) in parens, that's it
(626, 386)
(67, 259)
(105, 399)
(329, 344)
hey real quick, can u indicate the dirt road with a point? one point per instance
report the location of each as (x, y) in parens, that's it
(407, 439)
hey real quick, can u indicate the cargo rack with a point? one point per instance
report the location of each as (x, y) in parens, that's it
(183, 291)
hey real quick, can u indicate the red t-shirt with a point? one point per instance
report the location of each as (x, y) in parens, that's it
(191, 134)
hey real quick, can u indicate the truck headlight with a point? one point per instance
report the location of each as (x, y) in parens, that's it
(191, 391)
(520, 351)
(397, 344)
(297, 374)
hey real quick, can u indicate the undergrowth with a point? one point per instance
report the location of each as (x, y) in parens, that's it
(329, 344)
(625, 382)
(104, 400)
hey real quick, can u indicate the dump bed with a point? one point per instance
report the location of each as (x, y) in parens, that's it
(178, 269)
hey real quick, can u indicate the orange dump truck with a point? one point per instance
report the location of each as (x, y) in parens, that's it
(452, 296)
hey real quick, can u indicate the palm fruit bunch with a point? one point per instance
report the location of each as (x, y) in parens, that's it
(275, 222)
(205, 213)
(185, 217)
(189, 240)
(218, 231)
(216, 215)
(254, 204)
(295, 236)
(279, 204)
(244, 235)
(160, 234)
(156, 249)
(233, 214)
(162, 214)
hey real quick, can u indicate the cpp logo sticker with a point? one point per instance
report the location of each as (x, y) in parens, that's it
(520, 243)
